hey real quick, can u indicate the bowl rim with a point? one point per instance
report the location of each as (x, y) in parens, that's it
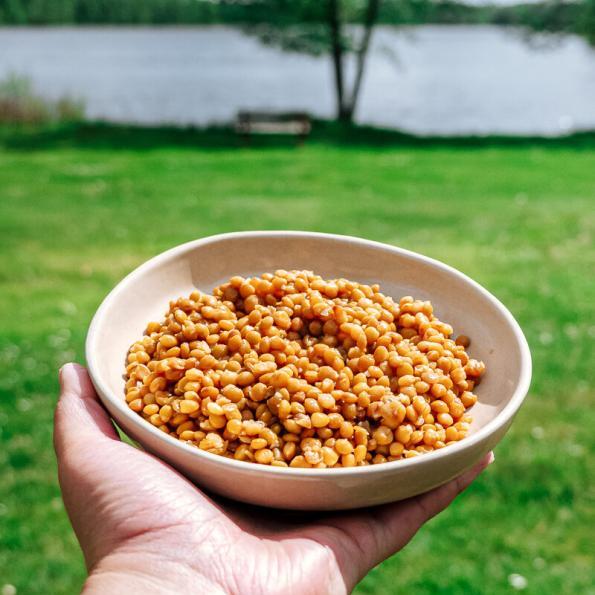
(503, 418)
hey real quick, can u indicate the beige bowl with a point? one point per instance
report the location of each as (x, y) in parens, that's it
(144, 295)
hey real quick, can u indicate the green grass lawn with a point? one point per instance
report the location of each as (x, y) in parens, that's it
(78, 212)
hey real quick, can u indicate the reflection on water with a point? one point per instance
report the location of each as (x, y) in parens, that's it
(425, 79)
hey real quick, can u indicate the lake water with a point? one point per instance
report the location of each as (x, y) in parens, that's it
(429, 79)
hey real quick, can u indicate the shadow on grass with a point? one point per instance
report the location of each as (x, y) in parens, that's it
(97, 135)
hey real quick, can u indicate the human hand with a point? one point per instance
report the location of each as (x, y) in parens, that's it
(144, 528)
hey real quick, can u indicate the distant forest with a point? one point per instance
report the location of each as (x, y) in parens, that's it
(552, 15)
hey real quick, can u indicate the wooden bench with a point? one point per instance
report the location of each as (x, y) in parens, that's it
(287, 123)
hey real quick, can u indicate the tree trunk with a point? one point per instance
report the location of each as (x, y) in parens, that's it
(334, 21)
(362, 53)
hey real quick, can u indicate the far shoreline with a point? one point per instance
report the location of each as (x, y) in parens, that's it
(108, 135)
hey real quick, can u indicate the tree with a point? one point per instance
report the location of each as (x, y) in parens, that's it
(346, 105)
(12, 11)
(587, 21)
(319, 27)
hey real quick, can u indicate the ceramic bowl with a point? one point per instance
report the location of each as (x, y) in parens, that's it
(144, 296)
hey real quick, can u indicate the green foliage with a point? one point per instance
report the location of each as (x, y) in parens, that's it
(413, 12)
(587, 20)
(310, 39)
(301, 19)
(13, 12)
(20, 104)
(107, 11)
(553, 16)
(144, 11)
(86, 205)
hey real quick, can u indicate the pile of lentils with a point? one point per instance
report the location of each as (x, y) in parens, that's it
(289, 369)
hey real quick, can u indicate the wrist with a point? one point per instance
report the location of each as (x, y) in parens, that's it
(146, 574)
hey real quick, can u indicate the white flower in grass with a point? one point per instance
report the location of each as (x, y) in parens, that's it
(576, 450)
(69, 308)
(546, 338)
(517, 581)
(24, 404)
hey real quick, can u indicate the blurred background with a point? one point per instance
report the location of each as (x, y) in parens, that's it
(465, 132)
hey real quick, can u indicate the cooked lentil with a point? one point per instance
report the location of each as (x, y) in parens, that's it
(290, 369)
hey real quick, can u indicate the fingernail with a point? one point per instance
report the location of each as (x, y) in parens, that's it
(491, 458)
(65, 373)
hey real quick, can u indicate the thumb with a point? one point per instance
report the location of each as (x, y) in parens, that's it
(83, 434)
(79, 417)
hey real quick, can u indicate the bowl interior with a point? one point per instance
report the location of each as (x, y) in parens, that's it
(144, 296)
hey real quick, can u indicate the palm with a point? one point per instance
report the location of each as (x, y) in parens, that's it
(127, 505)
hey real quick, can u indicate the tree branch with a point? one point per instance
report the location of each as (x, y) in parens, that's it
(337, 54)
(369, 22)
